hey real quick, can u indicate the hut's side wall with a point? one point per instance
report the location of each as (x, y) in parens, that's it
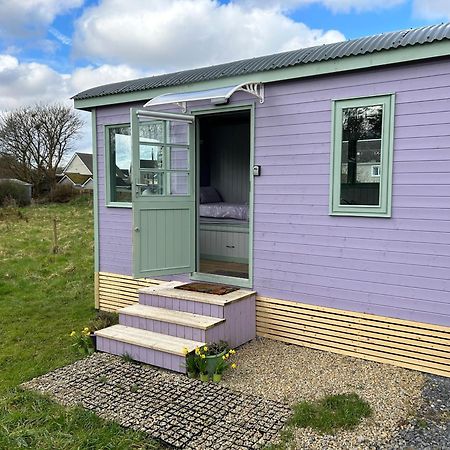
(397, 267)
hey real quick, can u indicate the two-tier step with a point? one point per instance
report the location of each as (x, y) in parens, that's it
(168, 320)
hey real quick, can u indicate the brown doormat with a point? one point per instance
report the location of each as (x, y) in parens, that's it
(207, 288)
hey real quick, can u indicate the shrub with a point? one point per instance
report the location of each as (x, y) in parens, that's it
(12, 194)
(103, 319)
(62, 193)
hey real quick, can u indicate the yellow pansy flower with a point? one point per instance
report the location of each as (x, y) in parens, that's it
(73, 334)
(205, 348)
(233, 366)
(232, 351)
(197, 351)
(223, 357)
(185, 350)
(203, 356)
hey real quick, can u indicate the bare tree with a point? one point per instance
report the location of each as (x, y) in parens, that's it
(35, 139)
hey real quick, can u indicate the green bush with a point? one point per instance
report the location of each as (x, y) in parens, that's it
(13, 194)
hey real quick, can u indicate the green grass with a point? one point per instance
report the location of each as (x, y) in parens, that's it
(334, 412)
(44, 296)
(328, 415)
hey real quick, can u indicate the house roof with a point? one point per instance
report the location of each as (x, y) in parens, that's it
(339, 50)
(76, 178)
(87, 159)
(15, 180)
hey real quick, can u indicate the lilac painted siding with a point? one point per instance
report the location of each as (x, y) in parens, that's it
(397, 267)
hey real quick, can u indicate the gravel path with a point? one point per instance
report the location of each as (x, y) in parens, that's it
(290, 373)
(174, 409)
(430, 428)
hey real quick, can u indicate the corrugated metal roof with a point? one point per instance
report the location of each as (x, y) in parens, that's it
(361, 46)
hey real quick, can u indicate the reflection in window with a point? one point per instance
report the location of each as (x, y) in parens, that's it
(361, 152)
(119, 139)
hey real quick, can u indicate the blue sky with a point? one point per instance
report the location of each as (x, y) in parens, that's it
(51, 49)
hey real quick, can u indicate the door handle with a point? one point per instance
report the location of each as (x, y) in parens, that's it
(137, 229)
(141, 184)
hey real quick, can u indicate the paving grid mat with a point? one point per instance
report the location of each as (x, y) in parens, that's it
(180, 412)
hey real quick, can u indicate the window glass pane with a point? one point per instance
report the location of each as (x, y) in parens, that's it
(152, 131)
(152, 183)
(179, 183)
(360, 153)
(177, 133)
(120, 163)
(179, 158)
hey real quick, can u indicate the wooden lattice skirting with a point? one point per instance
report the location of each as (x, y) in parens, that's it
(403, 343)
(413, 345)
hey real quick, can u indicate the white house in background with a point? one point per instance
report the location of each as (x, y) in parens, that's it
(78, 171)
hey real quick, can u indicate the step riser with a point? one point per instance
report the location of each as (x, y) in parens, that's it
(213, 334)
(204, 309)
(142, 354)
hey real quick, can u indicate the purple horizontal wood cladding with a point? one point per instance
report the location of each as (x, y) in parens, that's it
(174, 304)
(397, 267)
(142, 354)
(213, 334)
(240, 321)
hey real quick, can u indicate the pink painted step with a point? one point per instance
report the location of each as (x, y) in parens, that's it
(146, 346)
(174, 323)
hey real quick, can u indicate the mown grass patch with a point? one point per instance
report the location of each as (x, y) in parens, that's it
(334, 412)
(327, 416)
(44, 295)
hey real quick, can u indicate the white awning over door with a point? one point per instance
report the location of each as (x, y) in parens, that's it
(217, 96)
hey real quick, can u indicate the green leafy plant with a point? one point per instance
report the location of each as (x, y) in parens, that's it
(216, 348)
(224, 363)
(82, 341)
(200, 359)
(190, 364)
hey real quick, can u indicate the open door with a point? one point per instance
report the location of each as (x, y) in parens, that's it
(163, 178)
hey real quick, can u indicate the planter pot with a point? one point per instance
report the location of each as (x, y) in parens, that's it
(94, 341)
(217, 377)
(192, 375)
(204, 377)
(211, 362)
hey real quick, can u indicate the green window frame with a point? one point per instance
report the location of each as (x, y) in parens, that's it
(110, 196)
(338, 205)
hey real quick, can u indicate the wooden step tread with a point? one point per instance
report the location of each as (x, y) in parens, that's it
(168, 290)
(167, 315)
(148, 339)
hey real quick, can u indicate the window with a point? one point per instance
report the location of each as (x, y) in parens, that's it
(362, 156)
(376, 171)
(118, 163)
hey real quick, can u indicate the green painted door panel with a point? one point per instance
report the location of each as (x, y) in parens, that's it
(163, 194)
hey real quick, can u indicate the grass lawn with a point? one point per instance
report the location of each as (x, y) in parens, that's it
(44, 296)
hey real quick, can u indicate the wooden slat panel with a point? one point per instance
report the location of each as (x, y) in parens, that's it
(115, 291)
(413, 345)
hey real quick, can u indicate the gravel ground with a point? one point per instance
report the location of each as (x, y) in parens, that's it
(430, 429)
(410, 410)
(180, 412)
(290, 373)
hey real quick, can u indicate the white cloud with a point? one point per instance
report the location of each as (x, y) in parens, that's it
(432, 9)
(22, 18)
(337, 6)
(179, 34)
(24, 83)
